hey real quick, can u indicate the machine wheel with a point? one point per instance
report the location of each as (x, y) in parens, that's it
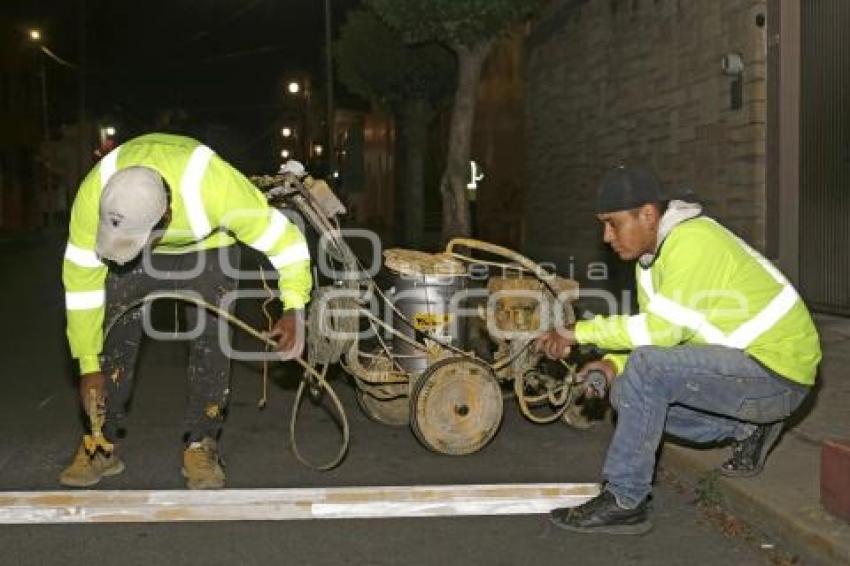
(456, 406)
(390, 412)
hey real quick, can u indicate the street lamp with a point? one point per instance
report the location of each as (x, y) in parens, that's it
(286, 131)
(300, 91)
(35, 37)
(109, 131)
(285, 154)
(318, 149)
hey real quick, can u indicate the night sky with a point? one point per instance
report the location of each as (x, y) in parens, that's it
(218, 64)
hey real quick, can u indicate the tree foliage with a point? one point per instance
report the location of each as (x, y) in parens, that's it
(374, 62)
(469, 28)
(453, 22)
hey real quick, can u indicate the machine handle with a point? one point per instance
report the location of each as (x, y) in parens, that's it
(501, 251)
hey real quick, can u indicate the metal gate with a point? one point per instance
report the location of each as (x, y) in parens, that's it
(825, 155)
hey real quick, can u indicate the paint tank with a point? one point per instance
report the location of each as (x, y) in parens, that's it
(428, 307)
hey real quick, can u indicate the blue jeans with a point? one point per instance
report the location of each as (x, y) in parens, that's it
(703, 394)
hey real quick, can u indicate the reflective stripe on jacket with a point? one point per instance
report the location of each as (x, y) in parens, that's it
(707, 286)
(211, 203)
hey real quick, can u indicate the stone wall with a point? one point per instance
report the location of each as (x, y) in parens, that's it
(639, 82)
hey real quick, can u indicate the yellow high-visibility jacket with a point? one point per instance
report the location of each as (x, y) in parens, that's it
(707, 286)
(212, 205)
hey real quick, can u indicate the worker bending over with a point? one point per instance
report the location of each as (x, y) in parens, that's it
(174, 197)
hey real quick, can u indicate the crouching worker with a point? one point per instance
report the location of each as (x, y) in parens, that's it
(174, 197)
(722, 349)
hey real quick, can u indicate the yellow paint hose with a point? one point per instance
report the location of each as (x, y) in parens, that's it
(308, 369)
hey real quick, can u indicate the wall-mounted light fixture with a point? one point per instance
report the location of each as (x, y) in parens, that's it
(732, 65)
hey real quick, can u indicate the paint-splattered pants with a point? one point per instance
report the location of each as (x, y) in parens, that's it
(208, 274)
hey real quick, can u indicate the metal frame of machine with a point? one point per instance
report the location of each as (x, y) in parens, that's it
(445, 346)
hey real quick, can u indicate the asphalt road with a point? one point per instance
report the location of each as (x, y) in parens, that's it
(40, 428)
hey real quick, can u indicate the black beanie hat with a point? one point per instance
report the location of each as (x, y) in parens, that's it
(626, 188)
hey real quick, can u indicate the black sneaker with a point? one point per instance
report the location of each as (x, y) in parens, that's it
(602, 515)
(748, 455)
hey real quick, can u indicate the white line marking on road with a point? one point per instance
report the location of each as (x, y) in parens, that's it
(131, 506)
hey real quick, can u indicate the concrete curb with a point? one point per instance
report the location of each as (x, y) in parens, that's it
(783, 501)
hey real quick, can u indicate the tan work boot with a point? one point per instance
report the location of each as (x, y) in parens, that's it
(85, 470)
(202, 466)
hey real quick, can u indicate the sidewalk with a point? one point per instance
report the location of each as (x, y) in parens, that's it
(784, 500)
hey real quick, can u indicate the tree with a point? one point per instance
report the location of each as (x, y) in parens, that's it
(410, 80)
(467, 27)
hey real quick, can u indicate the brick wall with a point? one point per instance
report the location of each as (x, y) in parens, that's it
(640, 82)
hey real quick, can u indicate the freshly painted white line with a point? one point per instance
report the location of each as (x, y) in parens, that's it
(44, 507)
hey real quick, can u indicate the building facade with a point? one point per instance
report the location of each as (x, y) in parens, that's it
(676, 85)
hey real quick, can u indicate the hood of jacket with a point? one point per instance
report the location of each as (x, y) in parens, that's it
(677, 212)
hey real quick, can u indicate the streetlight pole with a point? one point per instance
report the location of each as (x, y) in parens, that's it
(45, 123)
(329, 87)
(35, 36)
(83, 139)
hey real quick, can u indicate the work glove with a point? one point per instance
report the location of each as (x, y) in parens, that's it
(88, 381)
(288, 331)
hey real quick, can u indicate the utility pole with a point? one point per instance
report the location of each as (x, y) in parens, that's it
(329, 87)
